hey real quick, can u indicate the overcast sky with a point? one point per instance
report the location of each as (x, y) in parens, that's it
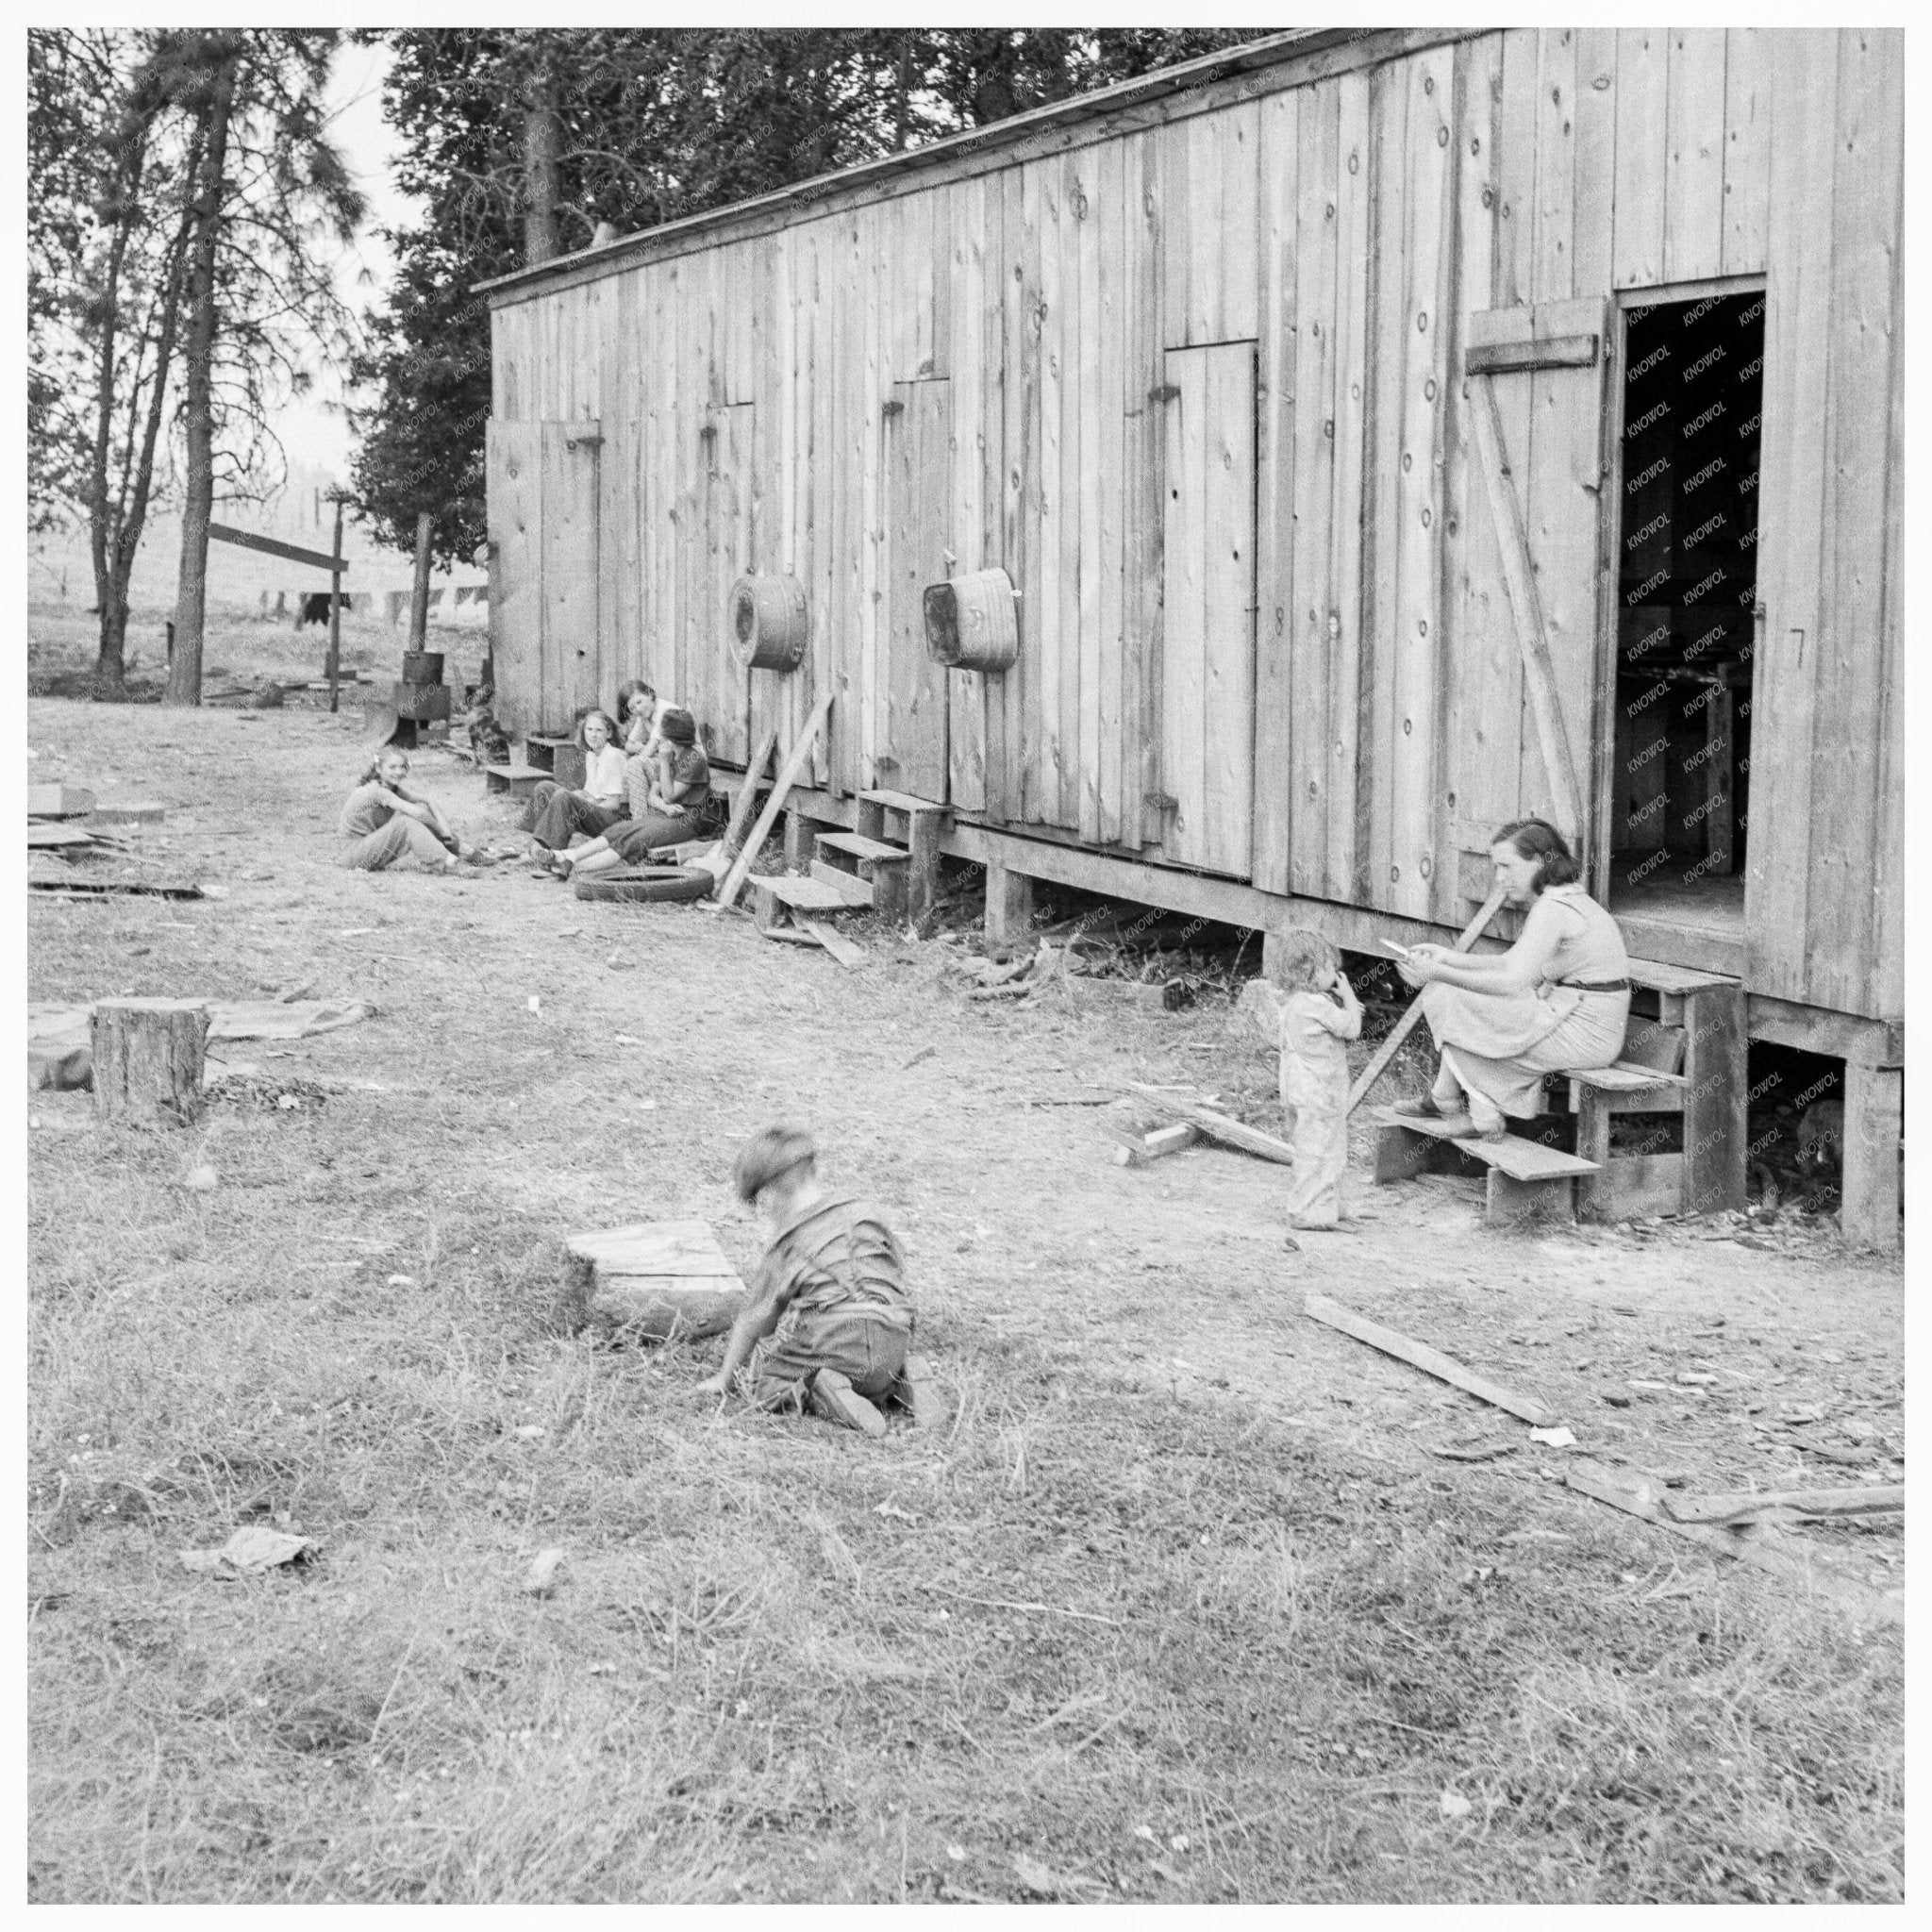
(312, 430)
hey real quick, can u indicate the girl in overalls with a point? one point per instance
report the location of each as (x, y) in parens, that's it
(1320, 1015)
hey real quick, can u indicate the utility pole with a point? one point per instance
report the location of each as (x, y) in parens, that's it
(335, 607)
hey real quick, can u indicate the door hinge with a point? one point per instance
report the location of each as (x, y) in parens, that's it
(1164, 392)
(583, 443)
(894, 408)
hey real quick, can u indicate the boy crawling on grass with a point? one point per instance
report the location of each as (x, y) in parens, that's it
(830, 1324)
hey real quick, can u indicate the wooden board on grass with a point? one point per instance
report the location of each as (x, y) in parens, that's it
(1421, 1356)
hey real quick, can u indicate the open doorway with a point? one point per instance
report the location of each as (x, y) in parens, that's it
(1694, 387)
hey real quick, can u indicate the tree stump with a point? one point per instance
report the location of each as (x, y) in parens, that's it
(651, 1282)
(148, 1059)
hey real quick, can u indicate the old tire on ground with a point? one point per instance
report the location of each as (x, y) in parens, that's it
(646, 885)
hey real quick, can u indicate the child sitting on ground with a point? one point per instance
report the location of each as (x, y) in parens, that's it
(830, 1324)
(1314, 1076)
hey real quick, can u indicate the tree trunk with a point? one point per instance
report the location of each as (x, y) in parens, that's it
(419, 588)
(542, 145)
(190, 603)
(148, 1059)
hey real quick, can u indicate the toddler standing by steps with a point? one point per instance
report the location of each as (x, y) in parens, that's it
(1320, 1015)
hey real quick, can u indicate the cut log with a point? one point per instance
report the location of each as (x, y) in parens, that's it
(148, 1059)
(1430, 1360)
(1137, 1149)
(796, 760)
(1218, 1126)
(652, 1281)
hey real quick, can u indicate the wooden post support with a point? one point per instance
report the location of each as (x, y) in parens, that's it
(148, 1056)
(419, 588)
(924, 832)
(796, 760)
(800, 833)
(1874, 1119)
(335, 614)
(1716, 1136)
(1008, 904)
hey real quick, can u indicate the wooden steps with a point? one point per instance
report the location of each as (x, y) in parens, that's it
(851, 889)
(801, 895)
(874, 851)
(903, 801)
(1525, 1177)
(518, 780)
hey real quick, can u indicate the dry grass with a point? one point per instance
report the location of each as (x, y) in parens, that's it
(1166, 1640)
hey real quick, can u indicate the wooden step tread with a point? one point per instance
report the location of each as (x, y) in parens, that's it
(1523, 1160)
(1653, 975)
(902, 801)
(1624, 1078)
(875, 850)
(802, 895)
(514, 775)
(851, 888)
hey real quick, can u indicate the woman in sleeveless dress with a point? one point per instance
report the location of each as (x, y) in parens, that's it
(1559, 998)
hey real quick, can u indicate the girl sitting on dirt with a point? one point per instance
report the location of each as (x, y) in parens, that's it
(386, 822)
(1314, 1076)
(674, 805)
(555, 815)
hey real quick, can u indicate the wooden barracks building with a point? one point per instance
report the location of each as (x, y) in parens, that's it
(1381, 434)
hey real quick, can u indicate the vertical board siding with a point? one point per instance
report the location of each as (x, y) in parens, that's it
(1344, 877)
(1554, 247)
(1694, 187)
(1482, 684)
(1749, 62)
(1279, 158)
(1315, 607)
(1793, 459)
(1348, 629)
(1406, 804)
(1846, 816)
(1637, 246)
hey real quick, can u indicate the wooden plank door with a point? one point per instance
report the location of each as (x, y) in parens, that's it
(917, 501)
(718, 551)
(516, 571)
(1536, 594)
(1207, 633)
(568, 534)
(622, 602)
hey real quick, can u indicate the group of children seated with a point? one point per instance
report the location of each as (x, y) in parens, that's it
(646, 787)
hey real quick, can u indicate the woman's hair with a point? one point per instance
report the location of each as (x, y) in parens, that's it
(769, 1155)
(637, 688)
(610, 730)
(1537, 840)
(1304, 959)
(679, 726)
(372, 772)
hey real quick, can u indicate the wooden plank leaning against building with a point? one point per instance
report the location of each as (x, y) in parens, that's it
(1319, 645)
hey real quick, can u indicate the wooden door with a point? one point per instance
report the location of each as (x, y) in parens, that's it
(716, 549)
(1208, 628)
(1527, 704)
(516, 575)
(912, 753)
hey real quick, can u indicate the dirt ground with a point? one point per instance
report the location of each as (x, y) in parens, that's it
(539, 1064)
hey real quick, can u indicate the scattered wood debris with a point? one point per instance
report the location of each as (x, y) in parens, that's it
(1790, 1505)
(1217, 1127)
(1430, 1360)
(1137, 1150)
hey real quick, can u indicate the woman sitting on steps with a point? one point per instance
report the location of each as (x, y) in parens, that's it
(1559, 998)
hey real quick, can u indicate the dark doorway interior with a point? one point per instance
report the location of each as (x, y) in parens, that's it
(1680, 781)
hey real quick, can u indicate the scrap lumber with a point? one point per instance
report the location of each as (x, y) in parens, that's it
(747, 794)
(1405, 1026)
(1430, 1360)
(1751, 1506)
(48, 837)
(1137, 1150)
(1808, 1569)
(652, 1280)
(1218, 1126)
(850, 957)
(158, 888)
(794, 763)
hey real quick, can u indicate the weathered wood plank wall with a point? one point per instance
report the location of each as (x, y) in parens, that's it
(1352, 228)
